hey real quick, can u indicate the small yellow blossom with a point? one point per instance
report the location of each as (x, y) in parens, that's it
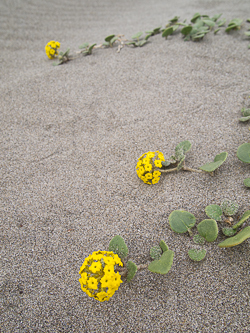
(155, 180)
(158, 163)
(156, 173)
(95, 267)
(92, 283)
(148, 176)
(148, 167)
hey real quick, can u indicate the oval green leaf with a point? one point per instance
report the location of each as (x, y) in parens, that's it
(138, 35)
(181, 221)
(198, 239)
(118, 246)
(236, 240)
(243, 153)
(167, 32)
(214, 211)
(197, 255)
(163, 265)
(185, 145)
(218, 161)
(208, 229)
(229, 232)
(163, 246)
(247, 182)
(186, 30)
(245, 112)
(108, 38)
(132, 269)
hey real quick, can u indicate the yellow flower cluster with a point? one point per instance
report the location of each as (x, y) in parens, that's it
(51, 49)
(146, 165)
(98, 277)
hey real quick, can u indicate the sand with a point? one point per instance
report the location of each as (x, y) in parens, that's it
(70, 139)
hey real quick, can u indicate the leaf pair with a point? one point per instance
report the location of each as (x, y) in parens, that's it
(163, 262)
(234, 24)
(218, 161)
(138, 43)
(245, 112)
(110, 40)
(87, 49)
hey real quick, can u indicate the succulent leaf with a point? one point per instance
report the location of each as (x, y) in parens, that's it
(218, 161)
(198, 239)
(163, 246)
(229, 207)
(132, 269)
(155, 252)
(244, 217)
(243, 152)
(197, 255)
(214, 211)
(208, 229)
(229, 232)
(247, 182)
(163, 265)
(118, 246)
(237, 239)
(167, 32)
(181, 221)
(186, 30)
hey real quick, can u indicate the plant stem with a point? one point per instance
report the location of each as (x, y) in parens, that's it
(185, 168)
(169, 170)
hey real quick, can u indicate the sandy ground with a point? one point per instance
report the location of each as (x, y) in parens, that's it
(70, 139)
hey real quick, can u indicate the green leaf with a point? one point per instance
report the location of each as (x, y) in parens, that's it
(91, 47)
(218, 161)
(167, 32)
(198, 239)
(243, 119)
(198, 36)
(245, 112)
(179, 153)
(108, 38)
(236, 240)
(197, 255)
(185, 145)
(142, 42)
(155, 252)
(214, 211)
(217, 30)
(147, 37)
(208, 229)
(113, 40)
(165, 163)
(243, 152)
(195, 17)
(222, 22)
(118, 246)
(245, 217)
(248, 20)
(132, 43)
(216, 17)
(247, 182)
(180, 164)
(175, 27)
(132, 269)
(247, 33)
(163, 265)
(181, 221)
(186, 30)
(229, 207)
(229, 231)
(149, 32)
(174, 20)
(65, 54)
(157, 30)
(210, 23)
(105, 44)
(236, 22)
(163, 246)
(137, 36)
(84, 45)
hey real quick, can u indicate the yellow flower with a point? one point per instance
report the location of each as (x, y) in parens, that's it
(92, 283)
(102, 296)
(148, 167)
(146, 160)
(155, 180)
(141, 169)
(95, 267)
(158, 163)
(51, 49)
(156, 173)
(148, 176)
(109, 269)
(161, 156)
(84, 277)
(116, 280)
(150, 154)
(109, 260)
(139, 164)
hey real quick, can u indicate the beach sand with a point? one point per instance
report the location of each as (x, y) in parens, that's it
(70, 139)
